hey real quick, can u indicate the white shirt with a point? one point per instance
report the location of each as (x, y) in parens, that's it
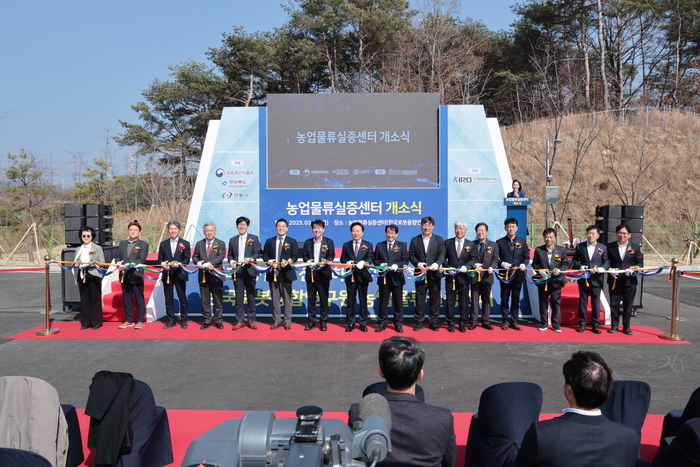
(241, 248)
(591, 250)
(317, 250)
(622, 249)
(590, 413)
(426, 242)
(173, 246)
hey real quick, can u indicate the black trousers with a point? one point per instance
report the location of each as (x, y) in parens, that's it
(510, 300)
(244, 284)
(90, 300)
(318, 287)
(359, 289)
(179, 286)
(422, 291)
(481, 291)
(395, 292)
(131, 291)
(460, 292)
(625, 293)
(583, 293)
(214, 288)
(551, 297)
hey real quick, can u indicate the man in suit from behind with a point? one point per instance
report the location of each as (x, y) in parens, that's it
(550, 258)
(394, 255)
(319, 250)
(582, 437)
(627, 255)
(684, 450)
(283, 251)
(458, 255)
(422, 435)
(172, 253)
(209, 253)
(244, 249)
(427, 250)
(593, 257)
(485, 261)
(514, 255)
(357, 252)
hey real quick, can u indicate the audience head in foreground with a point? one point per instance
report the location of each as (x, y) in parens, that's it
(401, 363)
(582, 436)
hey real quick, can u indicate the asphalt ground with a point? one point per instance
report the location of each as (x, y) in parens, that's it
(284, 375)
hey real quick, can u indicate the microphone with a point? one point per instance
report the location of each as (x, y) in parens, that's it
(374, 436)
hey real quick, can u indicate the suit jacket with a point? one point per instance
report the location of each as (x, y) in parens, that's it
(435, 254)
(290, 252)
(216, 256)
(398, 256)
(327, 253)
(575, 440)
(365, 254)
(635, 257)
(465, 259)
(559, 261)
(520, 255)
(138, 256)
(252, 250)
(684, 450)
(98, 256)
(600, 259)
(182, 255)
(490, 259)
(422, 435)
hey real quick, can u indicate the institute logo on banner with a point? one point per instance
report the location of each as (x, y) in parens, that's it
(220, 172)
(227, 195)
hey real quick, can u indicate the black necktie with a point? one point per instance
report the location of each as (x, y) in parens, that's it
(481, 252)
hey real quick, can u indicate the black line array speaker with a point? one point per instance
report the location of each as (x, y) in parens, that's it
(96, 216)
(610, 216)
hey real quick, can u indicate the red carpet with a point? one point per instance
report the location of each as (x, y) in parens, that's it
(185, 425)
(336, 332)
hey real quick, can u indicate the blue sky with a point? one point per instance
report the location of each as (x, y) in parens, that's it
(70, 70)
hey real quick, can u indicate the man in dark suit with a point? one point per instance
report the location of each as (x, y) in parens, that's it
(514, 255)
(393, 254)
(590, 256)
(582, 437)
(427, 250)
(458, 255)
(684, 450)
(550, 258)
(485, 261)
(171, 254)
(209, 253)
(283, 251)
(319, 250)
(421, 434)
(627, 255)
(244, 249)
(359, 253)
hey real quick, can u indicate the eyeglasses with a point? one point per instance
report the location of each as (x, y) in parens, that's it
(86, 236)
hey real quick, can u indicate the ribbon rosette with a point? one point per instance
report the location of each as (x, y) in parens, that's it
(286, 246)
(250, 241)
(599, 251)
(137, 248)
(630, 250)
(215, 247)
(557, 257)
(364, 248)
(467, 249)
(92, 252)
(488, 249)
(518, 245)
(324, 248)
(396, 249)
(180, 246)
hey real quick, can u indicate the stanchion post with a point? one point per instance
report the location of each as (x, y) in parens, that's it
(47, 331)
(675, 273)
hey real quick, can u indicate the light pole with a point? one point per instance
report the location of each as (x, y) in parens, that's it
(548, 174)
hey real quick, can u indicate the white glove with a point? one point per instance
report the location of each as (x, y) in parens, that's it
(361, 265)
(478, 266)
(383, 264)
(583, 268)
(76, 265)
(199, 263)
(601, 269)
(542, 272)
(628, 272)
(506, 265)
(434, 267)
(163, 263)
(614, 274)
(522, 267)
(350, 262)
(123, 267)
(463, 269)
(119, 262)
(490, 270)
(206, 265)
(421, 265)
(394, 267)
(556, 272)
(274, 266)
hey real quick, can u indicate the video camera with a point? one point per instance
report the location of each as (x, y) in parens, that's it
(259, 439)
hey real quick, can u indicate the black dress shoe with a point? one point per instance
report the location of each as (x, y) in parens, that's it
(84, 327)
(595, 329)
(350, 328)
(363, 328)
(487, 326)
(183, 324)
(398, 328)
(627, 331)
(450, 328)
(462, 328)
(205, 325)
(324, 327)
(418, 327)
(581, 328)
(515, 326)
(612, 330)
(97, 327)
(219, 325)
(380, 328)
(171, 324)
(287, 326)
(472, 327)
(433, 327)
(309, 326)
